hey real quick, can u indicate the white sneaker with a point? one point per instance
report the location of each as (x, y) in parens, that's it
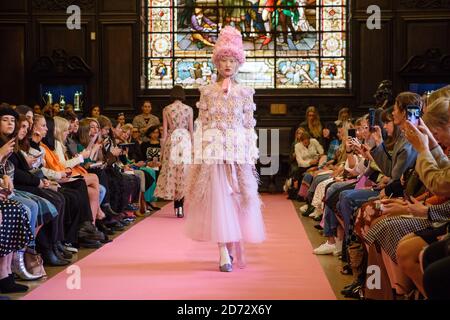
(316, 213)
(325, 248)
(338, 250)
(304, 208)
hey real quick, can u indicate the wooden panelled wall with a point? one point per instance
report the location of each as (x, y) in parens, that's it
(108, 42)
(30, 29)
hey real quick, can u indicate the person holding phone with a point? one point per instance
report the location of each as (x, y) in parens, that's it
(403, 155)
(89, 138)
(137, 168)
(433, 165)
(54, 169)
(134, 146)
(129, 184)
(72, 167)
(413, 113)
(89, 141)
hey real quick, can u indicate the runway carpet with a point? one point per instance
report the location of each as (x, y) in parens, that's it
(155, 260)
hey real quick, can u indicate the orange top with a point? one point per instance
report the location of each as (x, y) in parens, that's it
(52, 162)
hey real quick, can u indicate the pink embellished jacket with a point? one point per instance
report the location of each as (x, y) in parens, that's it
(225, 128)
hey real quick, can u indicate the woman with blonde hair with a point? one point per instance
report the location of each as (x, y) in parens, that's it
(95, 190)
(312, 124)
(345, 118)
(294, 164)
(441, 93)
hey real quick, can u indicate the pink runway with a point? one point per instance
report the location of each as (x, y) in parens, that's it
(155, 261)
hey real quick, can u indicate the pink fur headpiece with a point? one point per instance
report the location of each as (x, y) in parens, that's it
(229, 44)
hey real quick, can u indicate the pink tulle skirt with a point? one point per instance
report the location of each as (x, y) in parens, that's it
(220, 215)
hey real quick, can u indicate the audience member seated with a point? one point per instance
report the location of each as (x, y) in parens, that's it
(345, 118)
(120, 120)
(94, 112)
(312, 124)
(308, 153)
(146, 119)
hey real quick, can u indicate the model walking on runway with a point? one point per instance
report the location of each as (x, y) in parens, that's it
(222, 200)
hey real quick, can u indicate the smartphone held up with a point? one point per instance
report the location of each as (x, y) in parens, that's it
(371, 119)
(413, 114)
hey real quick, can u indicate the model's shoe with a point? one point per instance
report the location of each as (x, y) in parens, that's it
(227, 267)
(18, 267)
(179, 212)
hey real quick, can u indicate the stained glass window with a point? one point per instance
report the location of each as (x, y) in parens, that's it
(289, 43)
